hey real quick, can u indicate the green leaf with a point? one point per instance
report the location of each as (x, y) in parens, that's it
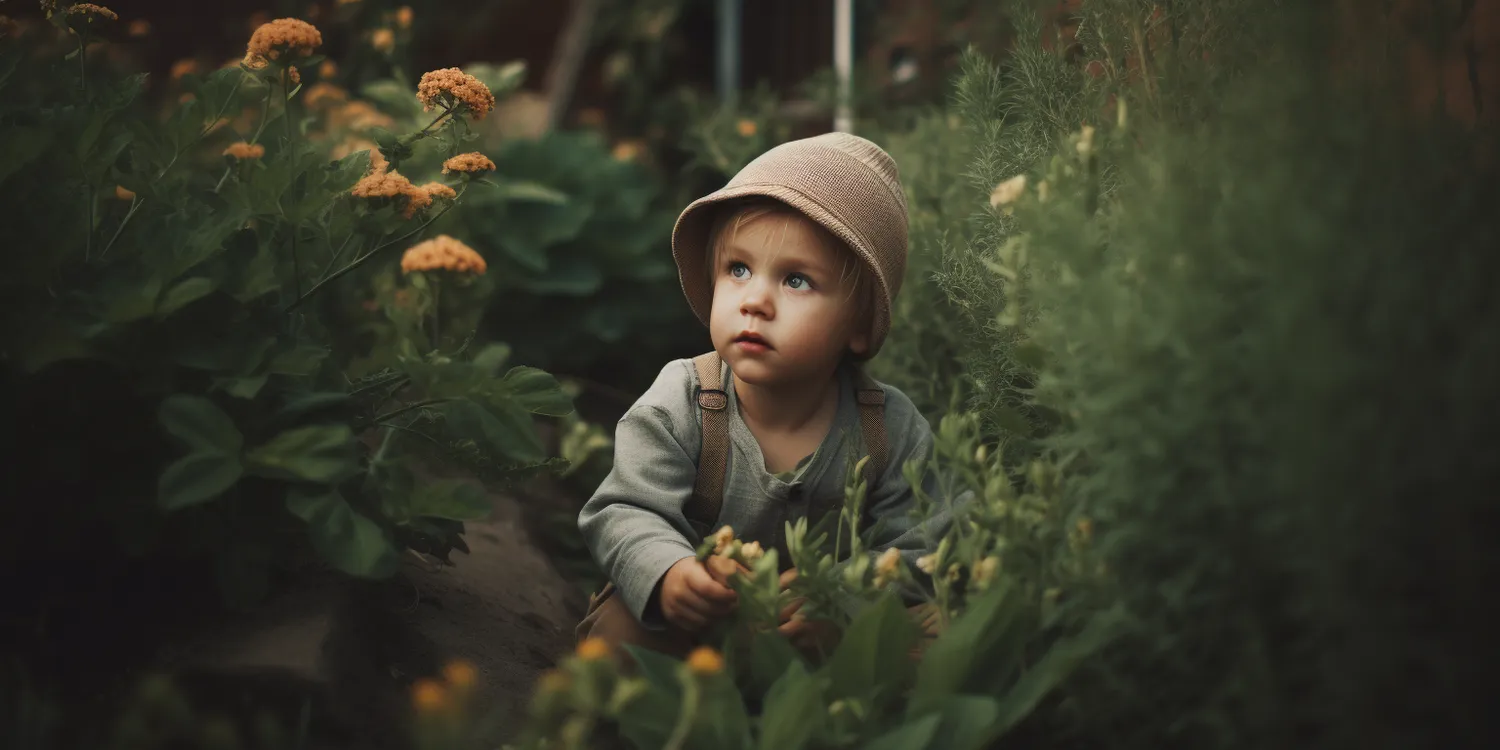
(873, 656)
(529, 192)
(1045, 675)
(794, 710)
(316, 453)
(127, 300)
(197, 478)
(966, 722)
(305, 404)
(201, 424)
(246, 387)
(913, 735)
(181, 294)
(300, 360)
(503, 427)
(771, 655)
(344, 537)
(537, 391)
(452, 499)
(987, 639)
(492, 357)
(259, 277)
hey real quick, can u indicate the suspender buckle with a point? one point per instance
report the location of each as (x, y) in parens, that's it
(713, 398)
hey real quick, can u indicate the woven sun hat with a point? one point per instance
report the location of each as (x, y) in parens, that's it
(845, 183)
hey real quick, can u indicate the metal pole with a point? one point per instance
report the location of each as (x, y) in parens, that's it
(843, 63)
(729, 50)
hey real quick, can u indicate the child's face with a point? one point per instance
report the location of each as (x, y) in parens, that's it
(783, 311)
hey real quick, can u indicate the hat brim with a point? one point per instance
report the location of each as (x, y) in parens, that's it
(690, 238)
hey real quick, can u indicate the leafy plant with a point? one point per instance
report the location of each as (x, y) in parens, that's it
(194, 286)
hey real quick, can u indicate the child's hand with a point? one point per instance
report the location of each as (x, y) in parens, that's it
(691, 598)
(809, 636)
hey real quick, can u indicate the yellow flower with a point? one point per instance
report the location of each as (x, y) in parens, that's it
(439, 190)
(428, 696)
(1008, 192)
(460, 674)
(383, 40)
(627, 150)
(746, 128)
(183, 67)
(404, 16)
(139, 27)
(705, 661)
(927, 563)
(245, 151)
(751, 551)
(451, 87)
(90, 9)
(887, 566)
(328, 69)
(271, 39)
(985, 571)
(592, 649)
(123, 194)
(469, 163)
(554, 681)
(444, 253)
(722, 538)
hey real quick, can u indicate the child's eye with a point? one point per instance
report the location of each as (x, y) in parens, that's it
(739, 270)
(798, 281)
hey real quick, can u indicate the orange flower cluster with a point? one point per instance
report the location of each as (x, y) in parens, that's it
(383, 40)
(393, 185)
(404, 16)
(183, 67)
(469, 163)
(439, 190)
(245, 151)
(293, 75)
(282, 35)
(450, 86)
(442, 253)
(79, 9)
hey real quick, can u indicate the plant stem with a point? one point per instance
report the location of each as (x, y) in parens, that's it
(88, 229)
(437, 312)
(83, 72)
(685, 718)
(363, 259)
(377, 385)
(296, 264)
(339, 253)
(410, 407)
(286, 114)
(222, 178)
(265, 116)
(135, 204)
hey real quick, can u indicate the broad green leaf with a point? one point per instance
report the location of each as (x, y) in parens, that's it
(771, 655)
(343, 536)
(259, 277)
(794, 710)
(128, 300)
(912, 735)
(304, 404)
(197, 478)
(317, 453)
(1046, 674)
(537, 391)
(966, 722)
(874, 655)
(242, 387)
(505, 428)
(181, 294)
(970, 647)
(453, 499)
(201, 424)
(301, 360)
(492, 357)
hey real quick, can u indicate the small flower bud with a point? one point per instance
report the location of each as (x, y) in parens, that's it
(705, 661)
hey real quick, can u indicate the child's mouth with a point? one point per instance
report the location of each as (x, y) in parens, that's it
(751, 342)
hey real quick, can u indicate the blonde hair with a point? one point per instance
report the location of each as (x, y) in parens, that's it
(735, 215)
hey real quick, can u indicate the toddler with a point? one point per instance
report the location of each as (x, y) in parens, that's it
(793, 267)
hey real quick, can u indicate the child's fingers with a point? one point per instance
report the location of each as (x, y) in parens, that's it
(789, 576)
(684, 615)
(794, 627)
(709, 589)
(791, 608)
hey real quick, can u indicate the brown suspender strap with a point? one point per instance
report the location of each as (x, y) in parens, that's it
(713, 457)
(872, 427)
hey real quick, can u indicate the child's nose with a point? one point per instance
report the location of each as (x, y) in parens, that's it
(757, 301)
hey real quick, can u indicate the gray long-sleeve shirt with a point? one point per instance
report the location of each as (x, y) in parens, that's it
(634, 523)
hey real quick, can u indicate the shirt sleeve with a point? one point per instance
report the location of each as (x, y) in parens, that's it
(634, 524)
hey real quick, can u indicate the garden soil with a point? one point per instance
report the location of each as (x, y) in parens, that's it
(350, 651)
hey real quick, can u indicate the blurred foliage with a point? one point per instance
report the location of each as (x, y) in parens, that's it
(180, 298)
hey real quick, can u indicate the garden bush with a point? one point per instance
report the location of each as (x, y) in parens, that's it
(185, 381)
